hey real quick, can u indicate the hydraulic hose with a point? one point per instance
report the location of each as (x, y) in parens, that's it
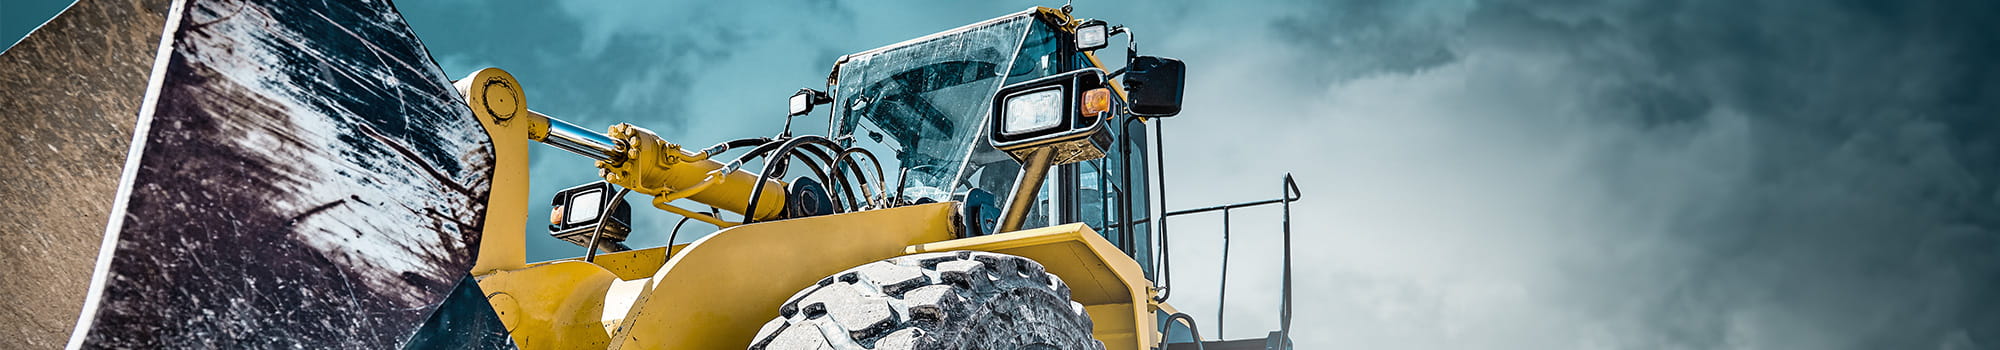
(776, 162)
(823, 154)
(719, 148)
(603, 217)
(860, 176)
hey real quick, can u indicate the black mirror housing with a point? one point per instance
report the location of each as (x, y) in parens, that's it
(1155, 85)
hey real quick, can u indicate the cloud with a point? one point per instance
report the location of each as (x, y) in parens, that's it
(1693, 174)
(1479, 174)
(683, 70)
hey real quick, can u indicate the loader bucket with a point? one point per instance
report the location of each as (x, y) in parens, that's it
(72, 91)
(301, 175)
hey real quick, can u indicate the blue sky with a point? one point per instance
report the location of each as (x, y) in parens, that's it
(1478, 173)
(17, 17)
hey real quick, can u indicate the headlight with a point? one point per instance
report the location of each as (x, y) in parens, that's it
(1033, 111)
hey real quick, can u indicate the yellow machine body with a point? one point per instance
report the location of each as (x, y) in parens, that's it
(716, 292)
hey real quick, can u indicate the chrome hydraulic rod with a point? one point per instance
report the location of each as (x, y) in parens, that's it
(575, 139)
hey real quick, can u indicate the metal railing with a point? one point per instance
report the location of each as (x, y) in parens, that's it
(1289, 193)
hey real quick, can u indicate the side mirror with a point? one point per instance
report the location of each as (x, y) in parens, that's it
(1092, 35)
(1046, 122)
(1154, 84)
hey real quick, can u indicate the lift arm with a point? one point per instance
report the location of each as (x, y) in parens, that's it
(628, 156)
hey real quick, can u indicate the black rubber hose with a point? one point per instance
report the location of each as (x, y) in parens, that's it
(590, 254)
(759, 151)
(676, 233)
(859, 174)
(734, 144)
(822, 153)
(818, 172)
(769, 147)
(843, 188)
(775, 162)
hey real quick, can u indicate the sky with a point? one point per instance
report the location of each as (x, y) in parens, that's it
(18, 17)
(1486, 174)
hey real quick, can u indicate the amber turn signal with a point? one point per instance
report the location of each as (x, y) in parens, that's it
(1096, 102)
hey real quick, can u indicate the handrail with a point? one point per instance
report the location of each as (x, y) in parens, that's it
(1289, 193)
(1285, 299)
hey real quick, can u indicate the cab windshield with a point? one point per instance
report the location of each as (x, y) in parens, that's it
(926, 103)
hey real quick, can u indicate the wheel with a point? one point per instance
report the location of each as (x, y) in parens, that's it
(952, 300)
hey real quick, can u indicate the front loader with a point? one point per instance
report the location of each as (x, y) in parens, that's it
(985, 187)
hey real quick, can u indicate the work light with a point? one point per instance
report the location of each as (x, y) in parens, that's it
(578, 211)
(1033, 111)
(1046, 122)
(802, 102)
(1092, 35)
(1064, 112)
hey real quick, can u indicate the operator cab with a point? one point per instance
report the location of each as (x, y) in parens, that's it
(924, 105)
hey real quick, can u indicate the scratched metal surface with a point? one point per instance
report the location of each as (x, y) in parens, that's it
(307, 180)
(70, 92)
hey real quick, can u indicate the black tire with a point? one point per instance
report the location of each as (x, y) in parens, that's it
(953, 300)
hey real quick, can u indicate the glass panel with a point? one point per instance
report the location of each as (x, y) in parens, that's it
(584, 207)
(1131, 155)
(1097, 198)
(923, 106)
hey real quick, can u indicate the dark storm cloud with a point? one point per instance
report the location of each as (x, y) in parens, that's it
(1860, 209)
(568, 67)
(1374, 36)
(1479, 174)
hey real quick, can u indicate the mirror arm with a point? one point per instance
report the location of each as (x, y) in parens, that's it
(1131, 44)
(1033, 169)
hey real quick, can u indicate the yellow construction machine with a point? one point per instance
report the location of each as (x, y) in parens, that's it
(302, 177)
(967, 248)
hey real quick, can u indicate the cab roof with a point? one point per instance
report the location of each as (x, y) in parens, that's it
(1055, 18)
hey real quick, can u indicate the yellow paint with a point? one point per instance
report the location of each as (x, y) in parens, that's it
(662, 203)
(720, 289)
(1110, 285)
(501, 107)
(630, 264)
(716, 292)
(656, 167)
(556, 305)
(568, 303)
